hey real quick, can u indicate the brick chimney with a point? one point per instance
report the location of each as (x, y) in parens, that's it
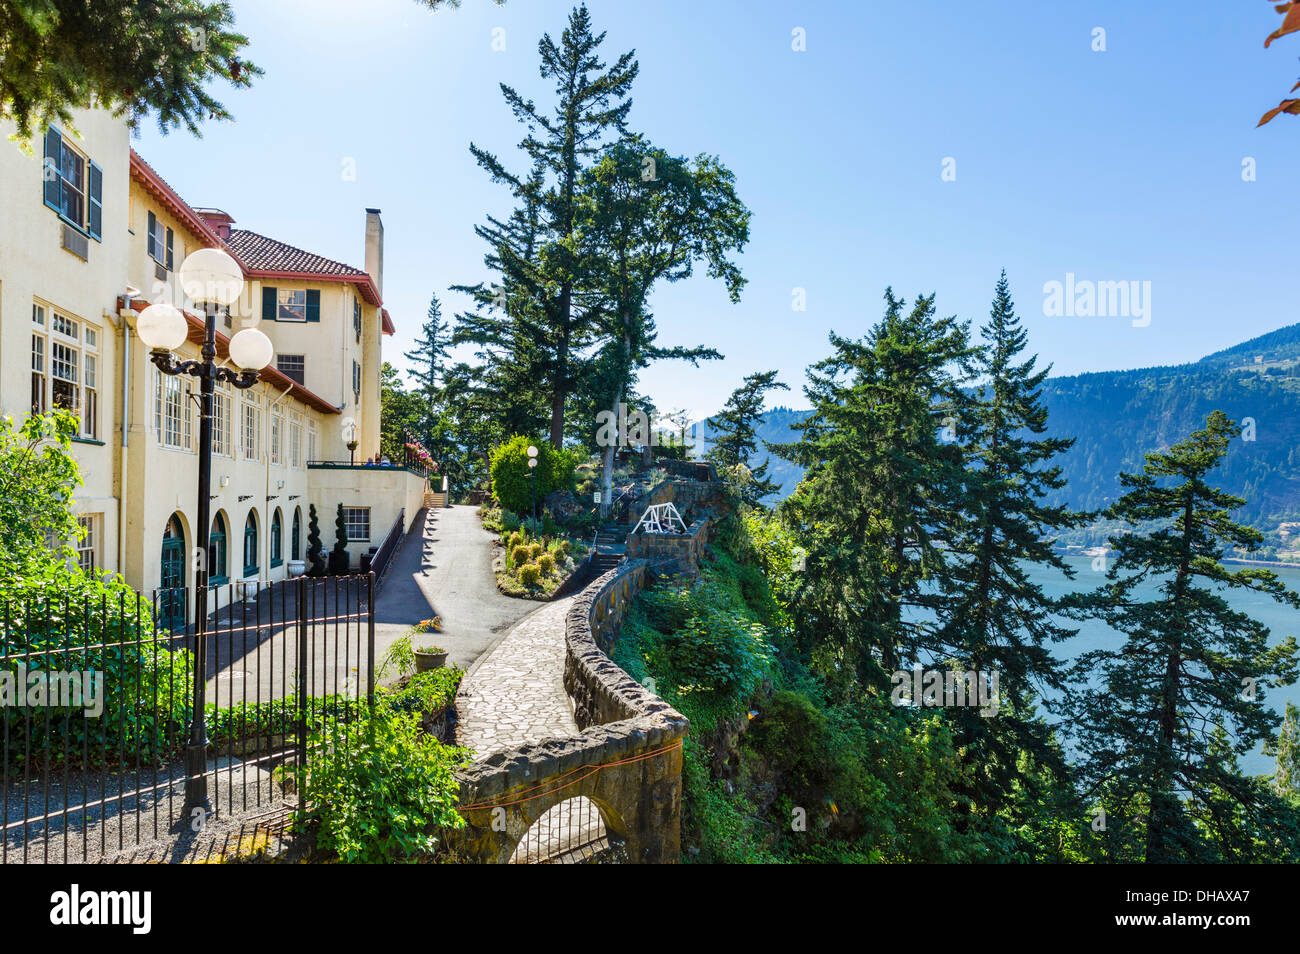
(220, 222)
(375, 249)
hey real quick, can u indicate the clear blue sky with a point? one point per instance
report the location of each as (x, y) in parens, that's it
(1116, 165)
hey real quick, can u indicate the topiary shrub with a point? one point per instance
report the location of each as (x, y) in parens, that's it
(315, 550)
(339, 555)
(529, 574)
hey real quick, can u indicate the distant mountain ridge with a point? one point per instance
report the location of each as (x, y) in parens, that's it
(1118, 416)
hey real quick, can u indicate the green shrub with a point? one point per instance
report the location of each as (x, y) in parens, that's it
(546, 563)
(145, 693)
(520, 555)
(426, 692)
(378, 795)
(529, 574)
(535, 550)
(511, 482)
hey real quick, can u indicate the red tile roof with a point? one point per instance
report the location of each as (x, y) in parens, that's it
(260, 257)
(265, 254)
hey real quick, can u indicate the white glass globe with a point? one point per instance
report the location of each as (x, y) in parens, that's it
(210, 275)
(162, 327)
(251, 350)
(532, 451)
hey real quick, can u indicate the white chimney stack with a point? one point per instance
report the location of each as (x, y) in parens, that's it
(375, 249)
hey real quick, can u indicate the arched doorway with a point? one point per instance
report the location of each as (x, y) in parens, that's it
(277, 539)
(250, 544)
(171, 580)
(217, 573)
(295, 537)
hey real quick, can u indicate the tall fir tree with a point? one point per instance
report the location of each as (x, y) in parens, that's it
(735, 433)
(430, 354)
(1188, 662)
(879, 492)
(591, 106)
(994, 616)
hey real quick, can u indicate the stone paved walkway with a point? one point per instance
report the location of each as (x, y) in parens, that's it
(516, 694)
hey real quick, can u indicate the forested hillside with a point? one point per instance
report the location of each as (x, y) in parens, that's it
(1118, 416)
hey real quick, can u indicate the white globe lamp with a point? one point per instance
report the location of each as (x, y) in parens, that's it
(162, 327)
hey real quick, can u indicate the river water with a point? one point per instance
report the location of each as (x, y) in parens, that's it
(1281, 619)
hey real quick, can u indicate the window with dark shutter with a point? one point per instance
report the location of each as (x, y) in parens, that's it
(149, 247)
(268, 303)
(51, 167)
(95, 223)
(313, 304)
(170, 237)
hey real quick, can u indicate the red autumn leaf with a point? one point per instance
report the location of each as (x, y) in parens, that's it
(1290, 24)
(1286, 106)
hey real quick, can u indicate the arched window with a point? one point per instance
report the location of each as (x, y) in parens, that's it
(250, 544)
(171, 581)
(295, 538)
(276, 534)
(217, 551)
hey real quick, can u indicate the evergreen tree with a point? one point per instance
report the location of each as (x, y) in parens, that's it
(650, 217)
(401, 412)
(994, 616)
(1188, 662)
(1286, 751)
(131, 58)
(736, 436)
(428, 356)
(315, 549)
(880, 484)
(339, 555)
(535, 252)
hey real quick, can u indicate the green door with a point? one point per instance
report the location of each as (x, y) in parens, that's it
(171, 584)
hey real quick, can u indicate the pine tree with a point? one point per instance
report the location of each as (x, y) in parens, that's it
(650, 217)
(132, 58)
(880, 486)
(1286, 752)
(1188, 662)
(536, 250)
(995, 617)
(735, 432)
(315, 549)
(429, 354)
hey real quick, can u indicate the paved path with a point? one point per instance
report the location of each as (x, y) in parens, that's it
(444, 568)
(516, 694)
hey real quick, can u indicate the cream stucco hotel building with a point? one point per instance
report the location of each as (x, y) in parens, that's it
(90, 234)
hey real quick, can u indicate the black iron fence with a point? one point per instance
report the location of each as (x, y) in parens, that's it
(377, 562)
(97, 700)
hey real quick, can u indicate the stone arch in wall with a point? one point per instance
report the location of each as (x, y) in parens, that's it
(507, 833)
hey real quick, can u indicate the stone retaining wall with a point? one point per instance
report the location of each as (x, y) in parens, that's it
(671, 553)
(627, 759)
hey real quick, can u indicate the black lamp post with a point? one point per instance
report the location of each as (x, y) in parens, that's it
(212, 278)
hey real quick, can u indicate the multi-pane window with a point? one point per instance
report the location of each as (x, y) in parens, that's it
(356, 318)
(356, 379)
(357, 521)
(171, 417)
(158, 242)
(221, 421)
(292, 366)
(39, 403)
(291, 305)
(275, 438)
(88, 545)
(311, 441)
(295, 441)
(64, 368)
(251, 415)
(73, 185)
